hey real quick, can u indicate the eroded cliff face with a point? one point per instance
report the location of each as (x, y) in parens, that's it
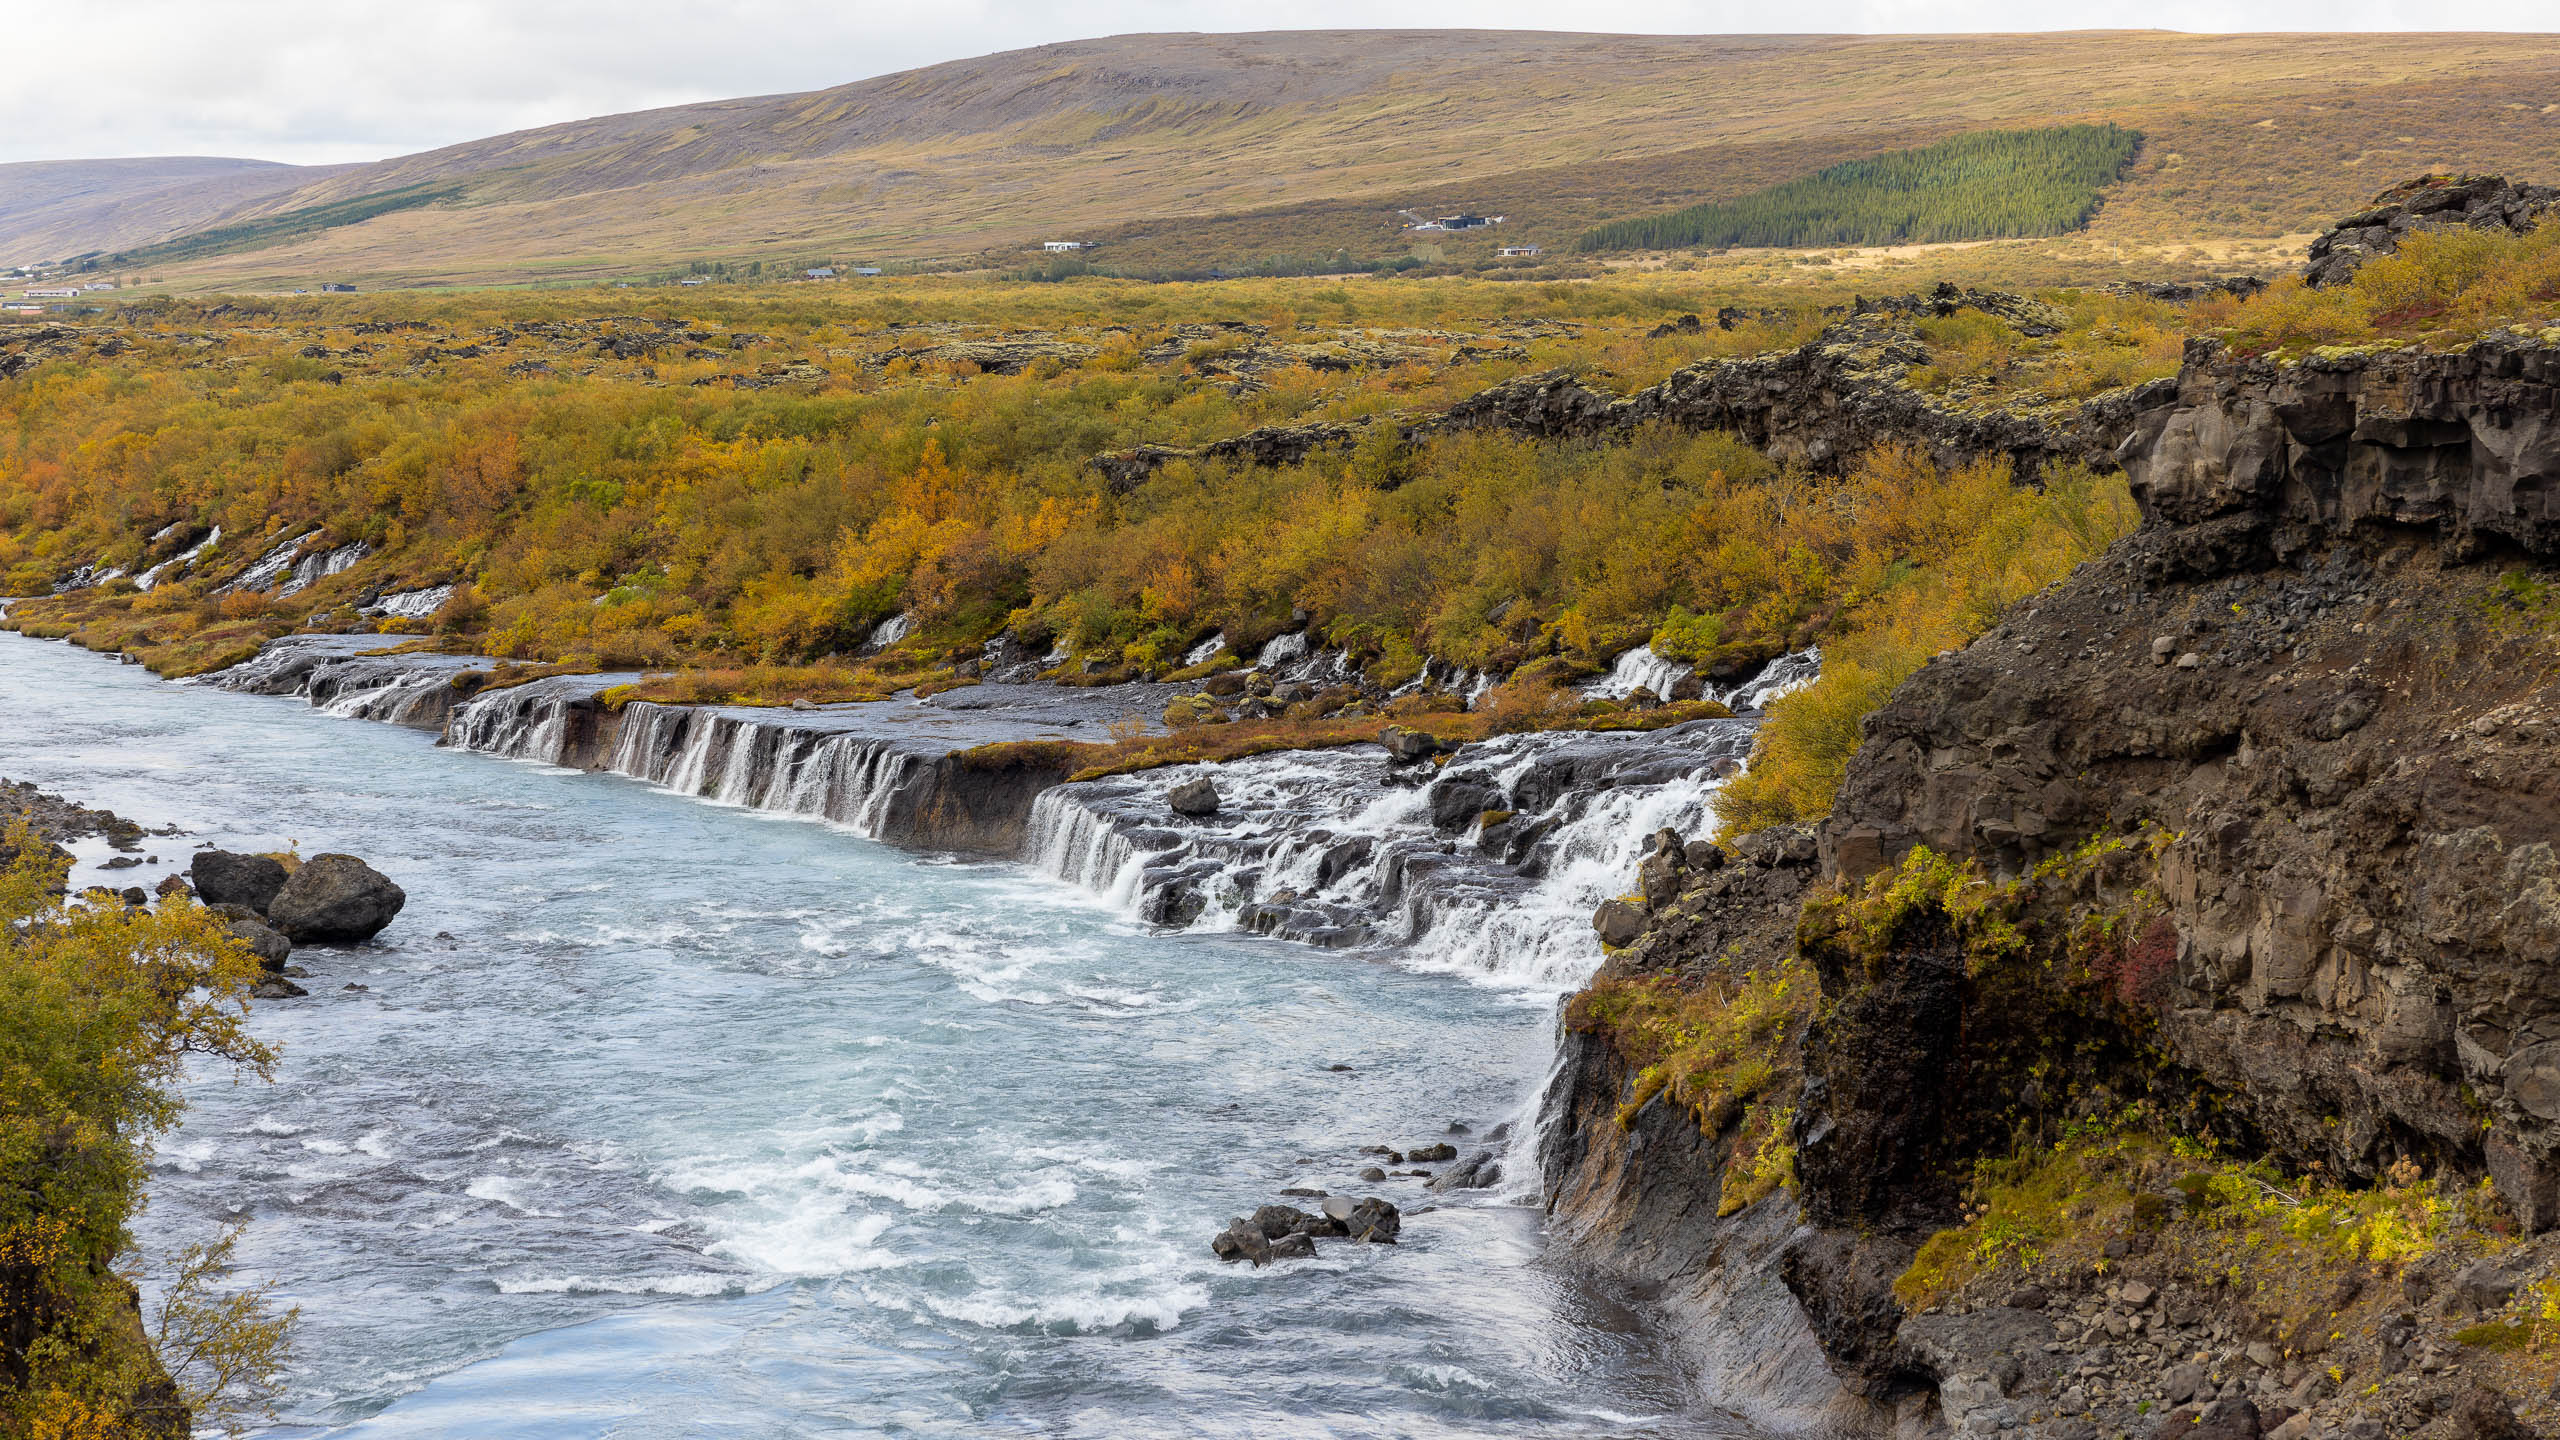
(2324, 668)
(1635, 1187)
(2294, 748)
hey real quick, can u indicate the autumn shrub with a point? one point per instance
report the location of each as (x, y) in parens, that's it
(2443, 286)
(1934, 560)
(101, 1005)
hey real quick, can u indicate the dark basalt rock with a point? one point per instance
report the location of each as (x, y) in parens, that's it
(1284, 1232)
(2430, 202)
(1406, 747)
(1482, 1171)
(252, 930)
(1194, 797)
(1822, 405)
(1457, 800)
(335, 898)
(2361, 897)
(224, 878)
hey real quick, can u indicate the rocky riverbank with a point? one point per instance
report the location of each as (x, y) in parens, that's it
(2242, 832)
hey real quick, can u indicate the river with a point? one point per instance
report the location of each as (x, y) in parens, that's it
(652, 1117)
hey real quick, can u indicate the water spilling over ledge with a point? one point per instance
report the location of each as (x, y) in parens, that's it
(1486, 864)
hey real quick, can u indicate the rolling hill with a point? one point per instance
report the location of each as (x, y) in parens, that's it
(1174, 147)
(53, 208)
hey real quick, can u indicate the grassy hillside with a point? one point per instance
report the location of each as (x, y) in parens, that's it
(1220, 149)
(50, 210)
(1995, 184)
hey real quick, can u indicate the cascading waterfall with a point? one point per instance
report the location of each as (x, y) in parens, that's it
(1640, 669)
(850, 779)
(1338, 848)
(1488, 866)
(151, 577)
(1070, 842)
(399, 699)
(1782, 676)
(519, 724)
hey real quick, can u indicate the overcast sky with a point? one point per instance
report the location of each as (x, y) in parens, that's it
(315, 81)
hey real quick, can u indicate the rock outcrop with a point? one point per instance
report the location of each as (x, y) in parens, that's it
(2314, 668)
(2297, 743)
(2430, 202)
(334, 899)
(1822, 405)
(1639, 1195)
(224, 878)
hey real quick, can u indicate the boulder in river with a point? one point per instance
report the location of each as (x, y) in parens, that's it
(224, 878)
(1285, 1232)
(1279, 1220)
(335, 898)
(251, 929)
(1458, 800)
(1194, 797)
(1406, 746)
(1481, 1172)
(1242, 1240)
(1373, 1220)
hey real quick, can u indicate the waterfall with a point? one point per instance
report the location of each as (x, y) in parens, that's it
(312, 569)
(1068, 841)
(889, 632)
(1281, 650)
(521, 723)
(1542, 936)
(412, 604)
(1782, 676)
(733, 759)
(267, 567)
(396, 699)
(151, 577)
(1337, 848)
(1638, 669)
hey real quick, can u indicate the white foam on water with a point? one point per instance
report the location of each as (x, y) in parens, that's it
(1084, 1313)
(1640, 669)
(187, 1158)
(505, 1190)
(699, 1285)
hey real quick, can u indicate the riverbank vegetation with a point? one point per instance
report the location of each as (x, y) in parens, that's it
(1928, 560)
(101, 1008)
(765, 483)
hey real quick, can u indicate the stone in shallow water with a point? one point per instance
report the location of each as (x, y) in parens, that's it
(335, 898)
(224, 878)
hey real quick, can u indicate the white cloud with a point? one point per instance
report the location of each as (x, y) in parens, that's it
(329, 80)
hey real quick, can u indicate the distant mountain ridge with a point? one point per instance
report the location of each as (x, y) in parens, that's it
(2255, 135)
(53, 208)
